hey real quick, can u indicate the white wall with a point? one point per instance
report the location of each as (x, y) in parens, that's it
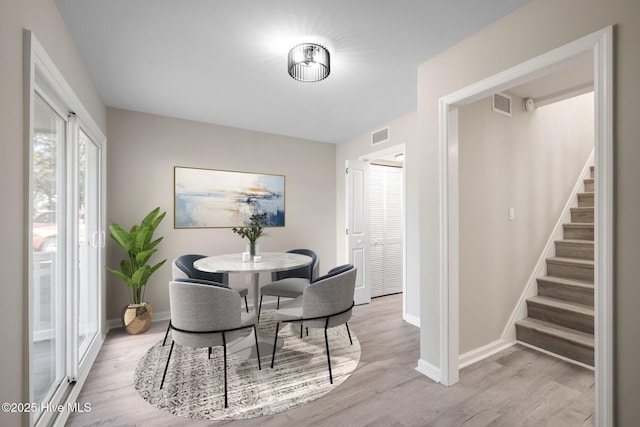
(401, 131)
(536, 28)
(143, 150)
(530, 162)
(43, 19)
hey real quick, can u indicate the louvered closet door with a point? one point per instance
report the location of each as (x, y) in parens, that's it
(386, 230)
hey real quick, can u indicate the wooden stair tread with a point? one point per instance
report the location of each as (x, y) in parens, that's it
(562, 305)
(571, 335)
(566, 281)
(583, 208)
(575, 242)
(571, 261)
(578, 225)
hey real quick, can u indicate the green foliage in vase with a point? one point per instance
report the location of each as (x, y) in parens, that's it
(254, 228)
(135, 270)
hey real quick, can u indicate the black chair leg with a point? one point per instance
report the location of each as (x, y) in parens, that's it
(167, 365)
(301, 327)
(210, 351)
(255, 333)
(224, 345)
(260, 308)
(166, 334)
(246, 304)
(326, 341)
(348, 332)
(278, 304)
(275, 342)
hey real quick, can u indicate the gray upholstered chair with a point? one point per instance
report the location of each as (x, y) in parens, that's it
(182, 267)
(206, 316)
(291, 283)
(326, 303)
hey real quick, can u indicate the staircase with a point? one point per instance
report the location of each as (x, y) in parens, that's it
(561, 315)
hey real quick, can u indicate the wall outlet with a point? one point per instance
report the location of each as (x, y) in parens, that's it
(512, 214)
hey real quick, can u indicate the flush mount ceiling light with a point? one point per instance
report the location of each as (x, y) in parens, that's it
(308, 62)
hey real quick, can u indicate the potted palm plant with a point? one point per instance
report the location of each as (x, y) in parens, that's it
(135, 269)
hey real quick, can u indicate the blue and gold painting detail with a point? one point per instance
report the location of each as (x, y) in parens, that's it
(216, 198)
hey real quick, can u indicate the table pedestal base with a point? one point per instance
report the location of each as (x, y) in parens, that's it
(246, 347)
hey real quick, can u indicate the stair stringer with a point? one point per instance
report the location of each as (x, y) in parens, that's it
(540, 269)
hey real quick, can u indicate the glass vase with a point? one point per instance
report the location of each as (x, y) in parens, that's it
(254, 249)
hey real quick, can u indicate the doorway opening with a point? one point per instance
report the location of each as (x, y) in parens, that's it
(599, 46)
(387, 219)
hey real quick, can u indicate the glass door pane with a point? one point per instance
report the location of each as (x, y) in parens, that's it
(88, 242)
(48, 314)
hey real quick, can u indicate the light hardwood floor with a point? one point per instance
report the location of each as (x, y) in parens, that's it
(516, 387)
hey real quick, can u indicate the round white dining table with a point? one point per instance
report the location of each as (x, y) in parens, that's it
(270, 262)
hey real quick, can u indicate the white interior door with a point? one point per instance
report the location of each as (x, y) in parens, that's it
(357, 209)
(385, 230)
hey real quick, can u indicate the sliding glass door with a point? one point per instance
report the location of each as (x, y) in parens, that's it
(66, 243)
(48, 316)
(89, 238)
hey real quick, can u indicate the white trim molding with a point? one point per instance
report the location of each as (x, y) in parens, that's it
(411, 319)
(604, 202)
(473, 356)
(429, 370)
(600, 45)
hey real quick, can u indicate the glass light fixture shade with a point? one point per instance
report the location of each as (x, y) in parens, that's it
(308, 62)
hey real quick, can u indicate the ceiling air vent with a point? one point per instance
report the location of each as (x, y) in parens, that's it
(502, 104)
(380, 136)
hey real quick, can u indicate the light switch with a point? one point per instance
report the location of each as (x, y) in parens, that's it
(512, 214)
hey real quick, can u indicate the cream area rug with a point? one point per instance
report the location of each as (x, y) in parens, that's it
(194, 386)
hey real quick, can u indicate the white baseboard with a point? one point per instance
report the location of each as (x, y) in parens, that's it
(433, 372)
(429, 370)
(411, 319)
(473, 356)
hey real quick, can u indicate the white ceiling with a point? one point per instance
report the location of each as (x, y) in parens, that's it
(224, 61)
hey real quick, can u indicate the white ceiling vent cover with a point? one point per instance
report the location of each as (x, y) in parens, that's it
(380, 136)
(502, 104)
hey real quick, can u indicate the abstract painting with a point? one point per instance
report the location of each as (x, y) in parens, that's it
(217, 198)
